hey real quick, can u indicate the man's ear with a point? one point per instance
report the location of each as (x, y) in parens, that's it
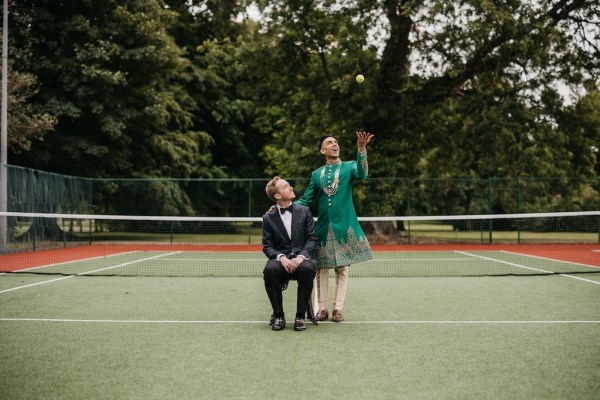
(277, 196)
(322, 151)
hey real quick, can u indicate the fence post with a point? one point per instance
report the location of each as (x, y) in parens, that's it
(91, 208)
(173, 192)
(490, 209)
(3, 206)
(249, 210)
(517, 225)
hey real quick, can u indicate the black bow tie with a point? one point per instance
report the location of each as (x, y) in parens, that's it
(283, 210)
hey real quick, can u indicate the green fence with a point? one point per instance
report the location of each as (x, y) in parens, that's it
(38, 191)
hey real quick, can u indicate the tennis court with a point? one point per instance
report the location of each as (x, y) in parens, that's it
(139, 322)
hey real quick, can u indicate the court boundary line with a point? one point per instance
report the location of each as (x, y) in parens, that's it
(373, 260)
(128, 263)
(35, 284)
(525, 267)
(87, 272)
(376, 322)
(548, 259)
(72, 261)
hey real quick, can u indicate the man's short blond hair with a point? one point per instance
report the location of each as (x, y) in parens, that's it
(271, 188)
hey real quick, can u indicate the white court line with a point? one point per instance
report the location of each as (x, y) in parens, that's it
(549, 259)
(245, 260)
(129, 263)
(71, 262)
(392, 322)
(561, 261)
(34, 284)
(523, 266)
(88, 272)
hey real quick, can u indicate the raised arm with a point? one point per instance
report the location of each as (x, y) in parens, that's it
(362, 165)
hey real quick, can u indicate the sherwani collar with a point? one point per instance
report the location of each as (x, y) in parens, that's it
(336, 162)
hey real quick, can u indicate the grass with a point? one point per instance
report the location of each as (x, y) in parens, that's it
(443, 344)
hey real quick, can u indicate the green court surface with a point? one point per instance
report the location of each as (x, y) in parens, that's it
(109, 337)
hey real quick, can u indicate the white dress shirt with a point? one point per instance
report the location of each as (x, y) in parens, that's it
(286, 217)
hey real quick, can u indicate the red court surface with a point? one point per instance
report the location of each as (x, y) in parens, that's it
(585, 254)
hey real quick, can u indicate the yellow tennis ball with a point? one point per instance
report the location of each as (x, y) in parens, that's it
(360, 78)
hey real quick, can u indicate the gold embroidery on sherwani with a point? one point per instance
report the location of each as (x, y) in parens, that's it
(336, 253)
(363, 162)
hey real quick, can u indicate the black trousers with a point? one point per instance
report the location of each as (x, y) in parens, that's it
(276, 277)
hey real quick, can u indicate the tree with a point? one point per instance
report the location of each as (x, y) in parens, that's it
(467, 89)
(105, 71)
(26, 125)
(461, 89)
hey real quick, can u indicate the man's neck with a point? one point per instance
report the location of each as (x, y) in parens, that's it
(284, 204)
(331, 160)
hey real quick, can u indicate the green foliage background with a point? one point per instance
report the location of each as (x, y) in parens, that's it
(196, 89)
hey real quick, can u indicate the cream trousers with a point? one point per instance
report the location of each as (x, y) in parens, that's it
(339, 293)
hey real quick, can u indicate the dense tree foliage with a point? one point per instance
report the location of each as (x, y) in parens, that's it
(26, 124)
(105, 71)
(468, 89)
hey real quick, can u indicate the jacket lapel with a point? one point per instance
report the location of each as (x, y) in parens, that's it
(276, 218)
(296, 217)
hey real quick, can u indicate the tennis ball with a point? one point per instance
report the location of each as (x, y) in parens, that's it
(360, 78)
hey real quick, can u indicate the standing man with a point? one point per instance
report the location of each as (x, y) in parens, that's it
(289, 241)
(341, 241)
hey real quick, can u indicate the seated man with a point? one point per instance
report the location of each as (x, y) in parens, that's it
(289, 241)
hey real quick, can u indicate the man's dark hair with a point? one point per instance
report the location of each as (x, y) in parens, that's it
(322, 140)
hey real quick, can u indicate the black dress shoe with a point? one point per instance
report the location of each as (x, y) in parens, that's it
(299, 324)
(279, 324)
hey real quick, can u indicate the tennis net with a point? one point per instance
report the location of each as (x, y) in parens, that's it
(472, 245)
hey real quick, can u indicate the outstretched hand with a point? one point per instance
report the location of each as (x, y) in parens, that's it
(362, 138)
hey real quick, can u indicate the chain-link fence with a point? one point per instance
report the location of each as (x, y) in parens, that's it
(38, 191)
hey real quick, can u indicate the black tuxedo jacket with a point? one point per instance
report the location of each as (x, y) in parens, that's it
(275, 239)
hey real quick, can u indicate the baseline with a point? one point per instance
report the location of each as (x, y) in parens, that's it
(71, 262)
(525, 267)
(89, 272)
(381, 322)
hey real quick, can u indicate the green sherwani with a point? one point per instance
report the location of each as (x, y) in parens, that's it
(341, 240)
